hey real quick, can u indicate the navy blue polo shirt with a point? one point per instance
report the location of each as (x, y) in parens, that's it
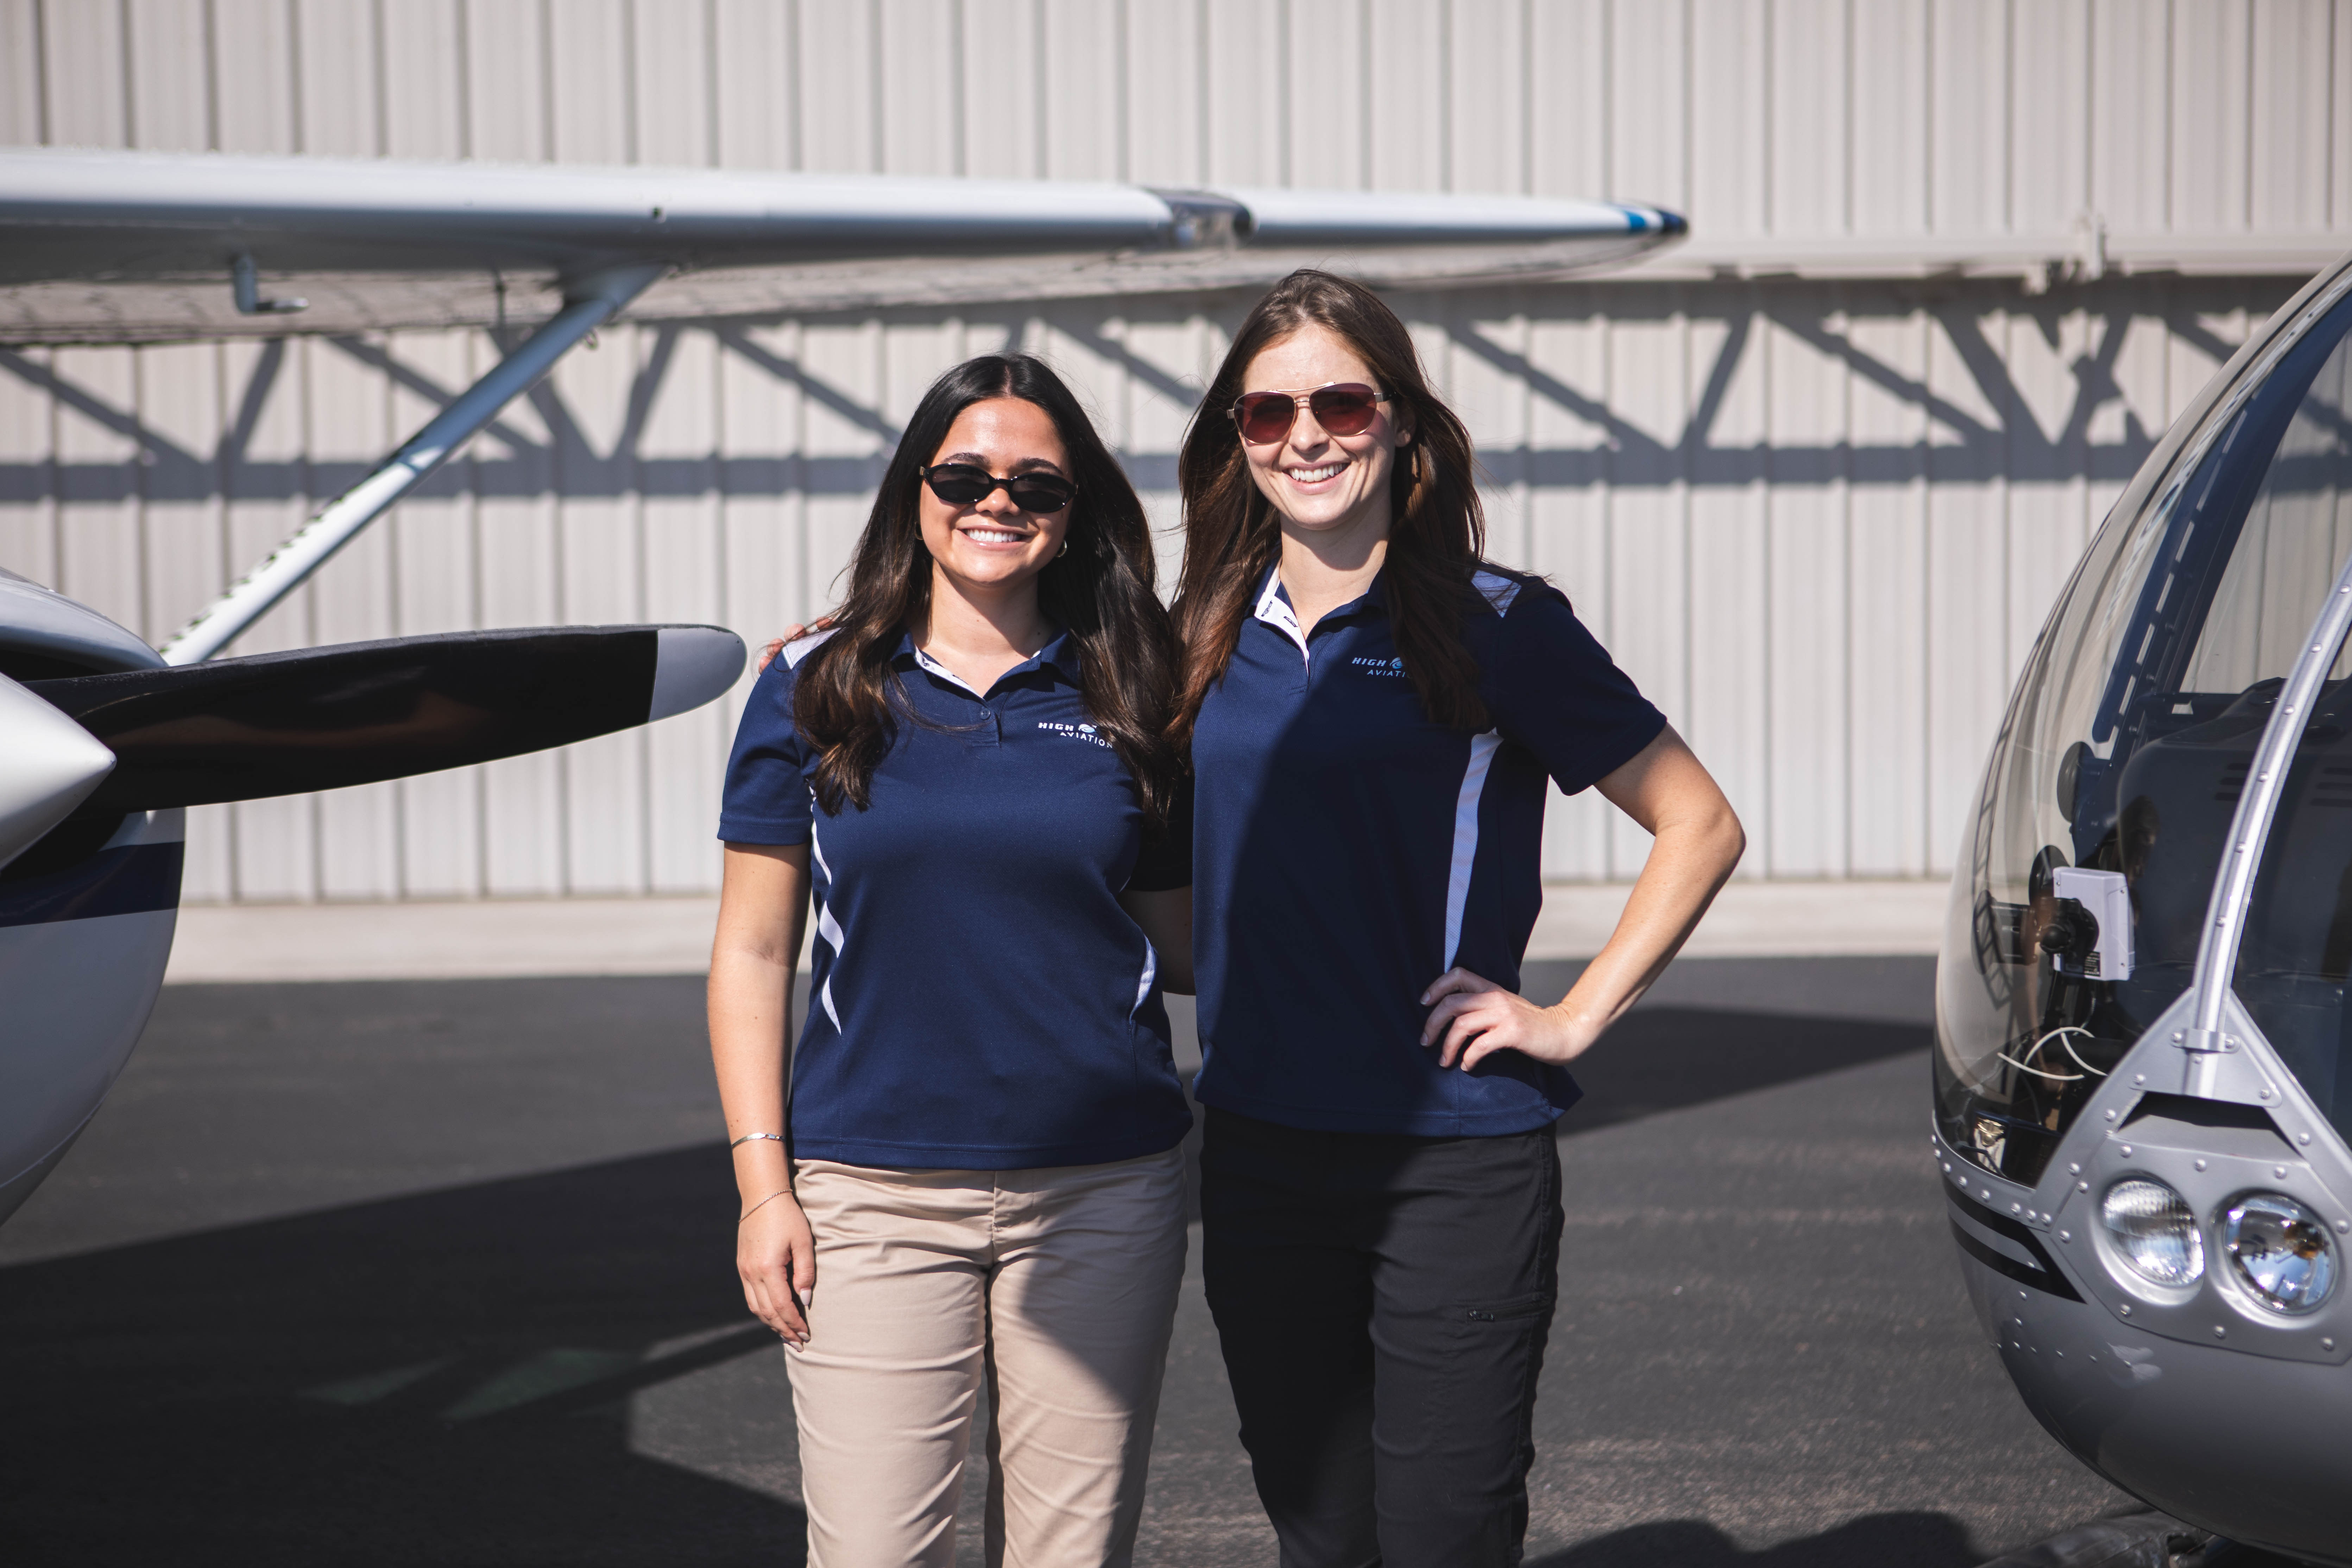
(1347, 852)
(980, 999)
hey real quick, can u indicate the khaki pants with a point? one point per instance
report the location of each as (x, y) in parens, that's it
(1057, 1285)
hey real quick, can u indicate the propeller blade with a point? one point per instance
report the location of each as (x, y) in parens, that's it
(49, 766)
(325, 718)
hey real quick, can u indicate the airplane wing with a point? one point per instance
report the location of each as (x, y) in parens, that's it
(119, 247)
(112, 246)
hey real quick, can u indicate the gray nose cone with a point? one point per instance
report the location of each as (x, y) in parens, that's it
(694, 665)
(48, 767)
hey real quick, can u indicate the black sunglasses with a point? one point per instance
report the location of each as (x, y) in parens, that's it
(966, 484)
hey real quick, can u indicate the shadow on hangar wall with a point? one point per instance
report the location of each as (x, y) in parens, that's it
(2142, 1101)
(2001, 437)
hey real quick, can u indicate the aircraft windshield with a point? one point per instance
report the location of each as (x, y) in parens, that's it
(2297, 946)
(2120, 764)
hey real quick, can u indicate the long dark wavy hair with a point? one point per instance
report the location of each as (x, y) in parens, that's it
(847, 702)
(1437, 530)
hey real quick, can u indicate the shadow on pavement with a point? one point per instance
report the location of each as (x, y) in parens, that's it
(432, 1379)
(1663, 1058)
(1880, 1540)
(445, 1377)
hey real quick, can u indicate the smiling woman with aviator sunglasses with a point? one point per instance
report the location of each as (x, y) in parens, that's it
(1373, 710)
(978, 1176)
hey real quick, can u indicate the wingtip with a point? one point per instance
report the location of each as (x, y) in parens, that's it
(693, 666)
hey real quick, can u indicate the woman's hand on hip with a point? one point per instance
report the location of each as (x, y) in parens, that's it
(1470, 1018)
(775, 1252)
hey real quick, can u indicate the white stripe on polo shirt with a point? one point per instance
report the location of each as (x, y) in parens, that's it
(826, 927)
(1498, 591)
(1151, 973)
(1466, 838)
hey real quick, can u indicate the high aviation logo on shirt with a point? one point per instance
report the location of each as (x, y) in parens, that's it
(1075, 731)
(1394, 667)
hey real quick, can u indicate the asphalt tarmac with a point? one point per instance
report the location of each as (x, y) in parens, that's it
(440, 1272)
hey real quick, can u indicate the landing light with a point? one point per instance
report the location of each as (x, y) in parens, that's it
(2154, 1231)
(2279, 1252)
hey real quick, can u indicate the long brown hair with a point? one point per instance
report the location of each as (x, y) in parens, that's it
(848, 700)
(1437, 530)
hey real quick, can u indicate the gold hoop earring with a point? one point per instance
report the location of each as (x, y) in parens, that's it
(1066, 548)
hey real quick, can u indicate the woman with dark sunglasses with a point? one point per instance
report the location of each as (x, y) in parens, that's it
(976, 1174)
(1373, 711)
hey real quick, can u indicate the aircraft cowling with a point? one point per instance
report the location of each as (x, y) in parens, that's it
(88, 910)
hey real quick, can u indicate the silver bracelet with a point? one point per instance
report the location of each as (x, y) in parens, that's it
(747, 1138)
(755, 1208)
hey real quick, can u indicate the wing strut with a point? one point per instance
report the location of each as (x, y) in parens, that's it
(588, 304)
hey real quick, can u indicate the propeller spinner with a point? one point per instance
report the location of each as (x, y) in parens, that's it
(48, 767)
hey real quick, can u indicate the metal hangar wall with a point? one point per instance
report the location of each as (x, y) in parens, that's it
(1814, 477)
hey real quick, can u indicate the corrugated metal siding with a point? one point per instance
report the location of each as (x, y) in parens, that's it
(1819, 521)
